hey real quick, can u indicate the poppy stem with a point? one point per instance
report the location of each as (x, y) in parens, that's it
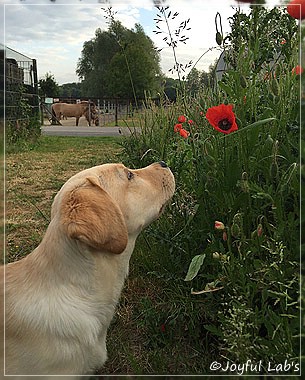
(224, 158)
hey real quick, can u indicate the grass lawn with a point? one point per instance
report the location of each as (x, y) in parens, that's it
(137, 342)
(33, 177)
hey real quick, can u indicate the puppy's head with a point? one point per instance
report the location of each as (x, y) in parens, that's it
(103, 206)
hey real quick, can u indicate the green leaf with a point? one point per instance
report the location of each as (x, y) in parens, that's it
(250, 126)
(194, 267)
(261, 122)
(213, 329)
(287, 176)
(227, 89)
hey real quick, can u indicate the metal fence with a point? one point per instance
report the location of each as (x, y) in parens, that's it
(109, 110)
(21, 86)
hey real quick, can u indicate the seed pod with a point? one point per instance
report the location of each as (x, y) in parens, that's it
(218, 38)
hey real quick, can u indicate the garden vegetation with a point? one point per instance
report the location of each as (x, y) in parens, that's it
(217, 278)
(228, 250)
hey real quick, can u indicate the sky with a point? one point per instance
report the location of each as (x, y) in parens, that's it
(54, 32)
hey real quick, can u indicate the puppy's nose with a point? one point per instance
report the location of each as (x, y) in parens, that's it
(163, 164)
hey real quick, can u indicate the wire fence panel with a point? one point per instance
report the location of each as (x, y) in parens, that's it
(21, 87)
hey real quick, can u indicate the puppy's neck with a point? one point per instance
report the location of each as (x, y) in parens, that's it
(58, 256)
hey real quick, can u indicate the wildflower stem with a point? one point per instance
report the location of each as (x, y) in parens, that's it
(173, 46)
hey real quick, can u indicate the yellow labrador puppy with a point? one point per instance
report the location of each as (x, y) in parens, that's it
(60, 299)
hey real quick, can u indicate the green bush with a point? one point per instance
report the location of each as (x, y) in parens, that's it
(247, 271)
(22, 121)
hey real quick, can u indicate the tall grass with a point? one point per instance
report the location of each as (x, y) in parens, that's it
(241, 294)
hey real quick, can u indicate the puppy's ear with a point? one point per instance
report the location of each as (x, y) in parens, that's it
(91, 216)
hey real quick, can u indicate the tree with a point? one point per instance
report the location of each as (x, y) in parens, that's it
(193, 81)
(171, 87)
(71, 90)
(119, 62)
(48, 86)
(196, 80)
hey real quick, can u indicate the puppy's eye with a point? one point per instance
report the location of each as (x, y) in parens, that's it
(130, 175)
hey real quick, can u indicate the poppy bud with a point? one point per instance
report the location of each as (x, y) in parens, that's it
(269, 140)
(244, 182)
(235, 230)
(184, 133)
(244, 176)
(275, 87)
(243, 82)
(275, 149)
(219, 225)
(224, 236)
(182, 119)
(259, 230)
(218, 38)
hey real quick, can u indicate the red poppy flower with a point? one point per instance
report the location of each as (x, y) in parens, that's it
(184, 133)
(296, 9)
(182, 119)
(177, 128)
(222, 118)
(298, 70)
(190, 122)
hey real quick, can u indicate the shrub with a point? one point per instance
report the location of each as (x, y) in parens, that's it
(22, 120)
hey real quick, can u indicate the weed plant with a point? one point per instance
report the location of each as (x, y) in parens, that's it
(23, 123)
(231, 288)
